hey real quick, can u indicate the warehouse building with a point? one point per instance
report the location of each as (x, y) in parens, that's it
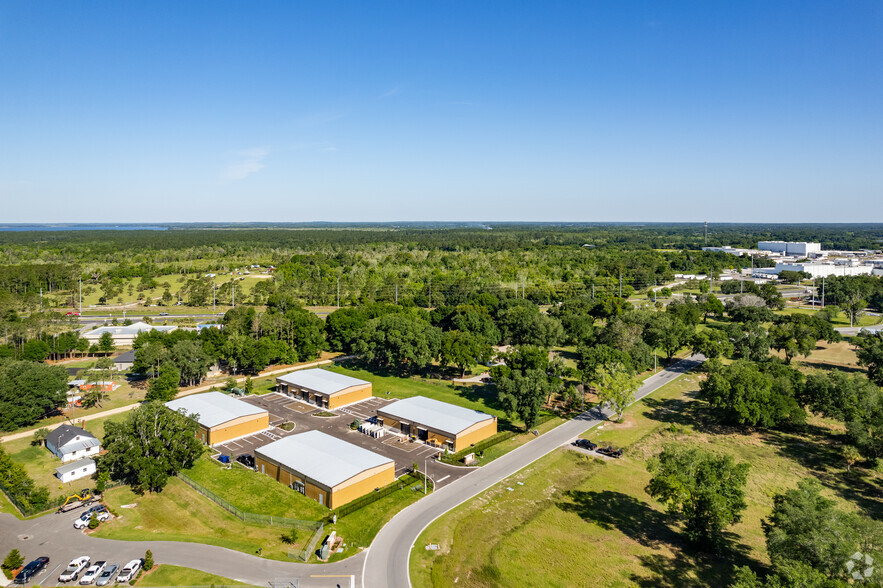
(222, 418)
(124, 336)
(327, 469)
(323, 388)
(438, 423)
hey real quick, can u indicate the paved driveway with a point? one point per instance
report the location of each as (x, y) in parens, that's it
(387, 561)
(54, 536)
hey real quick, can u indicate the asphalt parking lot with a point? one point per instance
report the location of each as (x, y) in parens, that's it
(304, 416)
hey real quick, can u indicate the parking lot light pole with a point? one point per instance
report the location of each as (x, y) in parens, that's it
(424, 476)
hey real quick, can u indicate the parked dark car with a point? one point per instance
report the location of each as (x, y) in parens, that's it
(31, 570)
(585, 444)
(610, 451)
(246, 460)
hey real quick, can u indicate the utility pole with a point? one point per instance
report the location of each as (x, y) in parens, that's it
(81, 296)
(823, 291)
(424, 476)
(213, 297)
(813, 293)
(593, 290)
(234, 294)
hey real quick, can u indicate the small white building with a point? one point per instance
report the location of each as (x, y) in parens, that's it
(71, 443)
(75, 470)
(124, 335)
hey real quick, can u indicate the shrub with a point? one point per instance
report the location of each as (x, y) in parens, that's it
(13, 561)
(148, 560)
(93, 522)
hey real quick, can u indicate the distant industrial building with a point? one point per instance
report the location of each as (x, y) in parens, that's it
(797, 248)
(737, 251)
(438, 423)
(323, 388)
(222, 418)
(327, 469)
(124, 335)
(817, 270)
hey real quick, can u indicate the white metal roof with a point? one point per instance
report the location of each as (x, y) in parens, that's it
(321, 381)
(74, 465)
(214, 408)
(128, 330)
(444, 417)
(321, 457)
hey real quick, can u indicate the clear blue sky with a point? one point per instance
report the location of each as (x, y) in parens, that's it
(369, 111)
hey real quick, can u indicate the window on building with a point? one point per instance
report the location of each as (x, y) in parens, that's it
(299, 487)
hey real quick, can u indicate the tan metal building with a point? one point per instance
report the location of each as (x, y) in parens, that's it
(222, 418)
(323, 388)
(327, 469)
(438, 423)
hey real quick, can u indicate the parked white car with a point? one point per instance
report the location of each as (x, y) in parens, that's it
(129, 571)
(74, 568)
(92, 573)
(83, 521)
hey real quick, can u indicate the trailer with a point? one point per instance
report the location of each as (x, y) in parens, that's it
(75, 501)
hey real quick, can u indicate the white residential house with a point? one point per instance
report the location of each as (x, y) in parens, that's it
(71, 443)
(75, 470)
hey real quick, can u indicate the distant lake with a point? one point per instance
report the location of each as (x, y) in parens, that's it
(82, 228)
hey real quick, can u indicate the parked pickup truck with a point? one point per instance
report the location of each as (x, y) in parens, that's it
(73, 569)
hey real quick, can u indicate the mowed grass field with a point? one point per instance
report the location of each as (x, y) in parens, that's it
(166, 575)
(579, 520)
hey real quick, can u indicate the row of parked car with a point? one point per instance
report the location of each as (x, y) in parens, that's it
(99, 573)
(609, 451)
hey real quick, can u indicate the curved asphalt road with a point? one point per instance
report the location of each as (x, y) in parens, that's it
(387, 561)
(384, 564)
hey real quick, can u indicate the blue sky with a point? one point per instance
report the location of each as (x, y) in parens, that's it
(371, 111)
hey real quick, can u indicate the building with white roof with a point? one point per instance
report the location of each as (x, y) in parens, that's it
(327, 469)
(323, 388)
(75, 470)
(125, 334)
(222, 418)
(438, 423)
(798, 248)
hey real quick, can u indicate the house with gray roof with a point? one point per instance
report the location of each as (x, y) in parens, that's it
(71, 443)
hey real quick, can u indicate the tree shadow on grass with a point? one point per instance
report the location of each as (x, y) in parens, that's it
(626, 514)
(687, 569)
(651, 528)
(818, 450)
(691, 412)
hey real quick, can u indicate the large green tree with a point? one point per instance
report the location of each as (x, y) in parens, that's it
(870, 355)
(399, 342)
(703, 490)
(463, 349)
(29, 391)
(749, 395)
(616, 386)
(164, 387)
(525, 381)
(150, 445)
(191, 361)
(806, 528)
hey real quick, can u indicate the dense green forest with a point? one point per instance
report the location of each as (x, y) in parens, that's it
(544, 263)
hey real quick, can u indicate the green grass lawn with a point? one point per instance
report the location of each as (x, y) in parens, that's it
(166, 575)
(578, 520)
(841, 320)
(41, 464)
(179, 513)
(255, 492)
